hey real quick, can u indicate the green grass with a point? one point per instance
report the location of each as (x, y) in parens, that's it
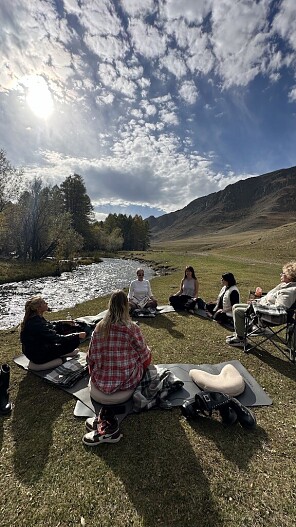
(165, 471)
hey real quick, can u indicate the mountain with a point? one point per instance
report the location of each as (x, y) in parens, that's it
(261, 202)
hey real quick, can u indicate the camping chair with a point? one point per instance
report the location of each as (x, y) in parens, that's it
(271, 325)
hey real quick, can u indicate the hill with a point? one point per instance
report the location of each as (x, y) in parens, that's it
(256, 203)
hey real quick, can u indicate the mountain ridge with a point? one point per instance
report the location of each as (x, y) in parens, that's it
(258, 202)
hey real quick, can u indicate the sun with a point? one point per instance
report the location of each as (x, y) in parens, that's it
(38, 97)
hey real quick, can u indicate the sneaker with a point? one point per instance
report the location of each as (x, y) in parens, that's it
(257, 331)
(231, 336)
(91, 424)
(235, 341)
(102, 429)
(94, 438)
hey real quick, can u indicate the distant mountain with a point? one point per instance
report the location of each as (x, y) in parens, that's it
(261, 202)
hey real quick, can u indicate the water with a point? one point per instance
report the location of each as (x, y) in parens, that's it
(64, 292)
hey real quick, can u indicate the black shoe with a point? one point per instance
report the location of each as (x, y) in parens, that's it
(205, 402)
(245, 417)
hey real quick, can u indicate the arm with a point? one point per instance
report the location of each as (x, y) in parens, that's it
(234, 298)
(150, 294)
(181, 288)
(286, 298)
(140, 346)
(131, 291)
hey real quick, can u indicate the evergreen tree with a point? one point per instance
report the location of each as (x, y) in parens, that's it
(78, 204)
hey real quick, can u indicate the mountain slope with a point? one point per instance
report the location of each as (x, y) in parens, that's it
(260, 202)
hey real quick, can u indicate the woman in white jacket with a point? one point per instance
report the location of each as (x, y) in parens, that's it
(283, 295)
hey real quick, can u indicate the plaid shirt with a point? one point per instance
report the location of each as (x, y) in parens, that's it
(118, 363)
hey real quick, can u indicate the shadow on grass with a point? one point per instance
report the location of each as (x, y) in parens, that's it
(161, 472)
(237, 444)
(36, 408)
(280, 364)
(163, 322)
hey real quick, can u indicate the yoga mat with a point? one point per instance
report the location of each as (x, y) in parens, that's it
(253, 395)
(93, 319)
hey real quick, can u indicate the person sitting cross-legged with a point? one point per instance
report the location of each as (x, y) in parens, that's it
(41, 340)
(140, 294)
(284, 295)
(221, 311)
(187, 296)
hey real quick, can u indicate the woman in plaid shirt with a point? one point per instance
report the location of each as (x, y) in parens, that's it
(118, 354)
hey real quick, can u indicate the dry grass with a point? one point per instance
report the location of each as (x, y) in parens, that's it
(165, 471)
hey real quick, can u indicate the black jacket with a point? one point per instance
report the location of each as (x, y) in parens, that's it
(40, 335)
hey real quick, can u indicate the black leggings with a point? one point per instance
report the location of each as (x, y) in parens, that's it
(178, 302)
(49, 352)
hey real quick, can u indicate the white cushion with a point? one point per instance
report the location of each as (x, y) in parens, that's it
(45, 366)
(228, 381)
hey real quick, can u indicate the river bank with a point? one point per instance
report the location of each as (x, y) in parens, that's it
(84, 283)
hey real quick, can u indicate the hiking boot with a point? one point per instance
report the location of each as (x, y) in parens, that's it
(105, 428)
(205, 402)
(245, 417)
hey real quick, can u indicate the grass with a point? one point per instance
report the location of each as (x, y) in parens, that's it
(165, 471)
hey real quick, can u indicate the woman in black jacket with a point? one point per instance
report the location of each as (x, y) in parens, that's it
(41, 340)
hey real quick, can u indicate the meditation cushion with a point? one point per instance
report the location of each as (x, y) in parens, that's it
(228, 381)
(46, 365)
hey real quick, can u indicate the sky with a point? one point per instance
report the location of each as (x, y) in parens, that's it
(154, 103)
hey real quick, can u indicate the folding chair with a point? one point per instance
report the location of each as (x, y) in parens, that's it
(271, 325)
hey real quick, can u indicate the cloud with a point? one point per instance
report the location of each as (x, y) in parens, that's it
(155, 103)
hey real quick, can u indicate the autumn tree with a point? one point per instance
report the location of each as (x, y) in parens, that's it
(9, 181)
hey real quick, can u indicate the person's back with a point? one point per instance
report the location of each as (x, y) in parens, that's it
(115, 362)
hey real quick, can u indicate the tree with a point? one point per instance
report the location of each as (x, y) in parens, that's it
(9, 181)
(78, 204)
(135, 231)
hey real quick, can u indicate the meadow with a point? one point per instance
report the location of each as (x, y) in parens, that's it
(166, 471)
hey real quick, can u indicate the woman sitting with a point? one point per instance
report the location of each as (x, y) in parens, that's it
(41, 340)
(140, 295)
(283, 295)
(221, 311)
(186, 297)
(117, 358)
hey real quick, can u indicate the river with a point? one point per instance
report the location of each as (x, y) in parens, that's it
(64, 292)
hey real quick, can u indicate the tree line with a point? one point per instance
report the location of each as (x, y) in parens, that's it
(39, 221)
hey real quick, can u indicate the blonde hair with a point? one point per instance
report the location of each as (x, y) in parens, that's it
(290, 270)
(31, 308)
(118, 313)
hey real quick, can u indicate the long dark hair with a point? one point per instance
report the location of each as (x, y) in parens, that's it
(189, 268)
(229, 278)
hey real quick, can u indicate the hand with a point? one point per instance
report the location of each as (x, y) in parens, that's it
(82, 335)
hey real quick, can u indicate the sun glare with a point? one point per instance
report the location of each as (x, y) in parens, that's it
(39, 98)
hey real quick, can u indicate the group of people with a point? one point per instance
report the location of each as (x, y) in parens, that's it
(118, 354)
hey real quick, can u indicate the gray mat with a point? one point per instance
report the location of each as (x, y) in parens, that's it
(93, 319)
(253, 395)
